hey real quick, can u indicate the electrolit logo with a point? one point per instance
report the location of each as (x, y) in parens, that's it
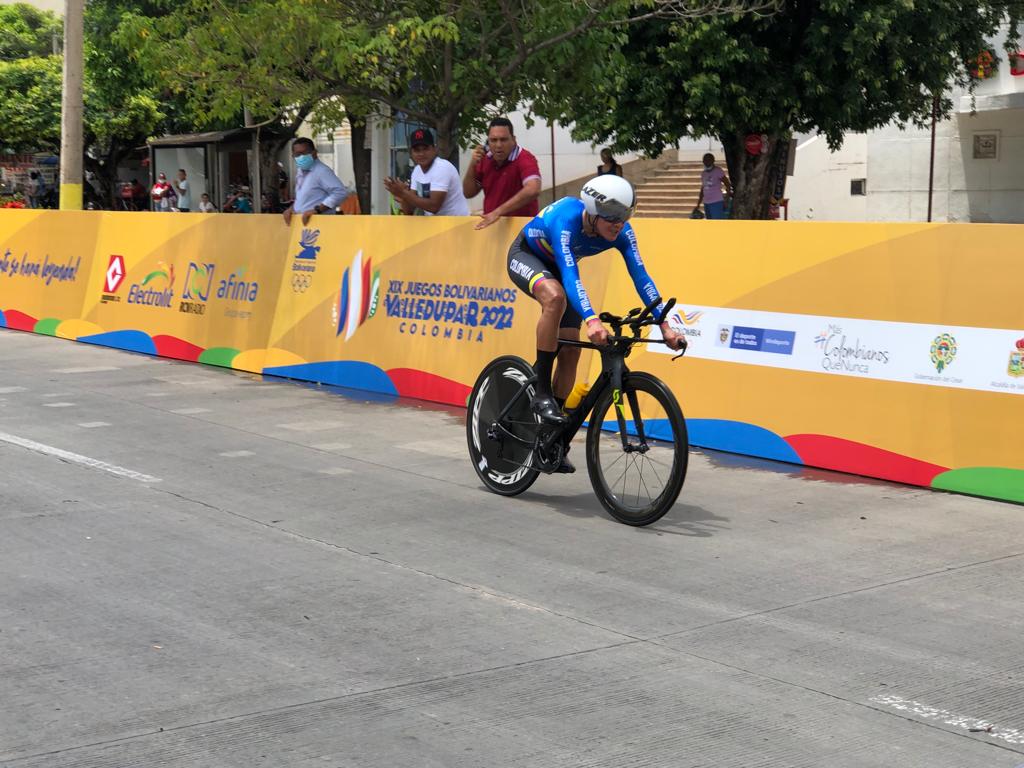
(156, 289)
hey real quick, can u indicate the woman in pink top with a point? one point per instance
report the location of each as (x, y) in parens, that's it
(711, 180)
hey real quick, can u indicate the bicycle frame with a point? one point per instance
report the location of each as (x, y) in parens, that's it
(613, 372)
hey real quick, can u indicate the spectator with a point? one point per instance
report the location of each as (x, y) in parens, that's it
(205, 206)
(435, 187)
(133, 196)
(608, 164)
(238, 202)
(711, 180)
(34, 190)
(507, 173)
(317, 188)
(162, 194)
(181, 187)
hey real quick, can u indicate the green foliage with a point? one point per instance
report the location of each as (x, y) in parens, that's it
(26, 31)
(30, 104)
(829, 66)
(445, 65)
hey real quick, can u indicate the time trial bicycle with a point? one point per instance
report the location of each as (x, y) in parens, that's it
(637, 446)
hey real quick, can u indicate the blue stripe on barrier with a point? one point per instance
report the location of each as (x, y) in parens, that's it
(133, 341)
(341, 373)
(721, 435)
(740, 437)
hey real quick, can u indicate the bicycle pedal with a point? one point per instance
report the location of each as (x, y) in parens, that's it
(566, 467)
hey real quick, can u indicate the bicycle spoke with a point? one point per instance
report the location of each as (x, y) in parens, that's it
(650, 498)
(621, 456)
(656, 475)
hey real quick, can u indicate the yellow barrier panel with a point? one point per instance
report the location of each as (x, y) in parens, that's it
(895, 351)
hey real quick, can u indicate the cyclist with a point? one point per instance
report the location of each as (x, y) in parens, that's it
(542, 262)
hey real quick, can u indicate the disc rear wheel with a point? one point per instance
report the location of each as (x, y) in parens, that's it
(502, 452)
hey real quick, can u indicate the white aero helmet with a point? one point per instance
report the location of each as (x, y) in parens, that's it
(610, 197)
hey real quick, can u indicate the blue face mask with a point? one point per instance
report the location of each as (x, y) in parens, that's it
(304, 162)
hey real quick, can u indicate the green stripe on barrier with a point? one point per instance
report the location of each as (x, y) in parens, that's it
(222, 356)
(47, 326)
(984, 481)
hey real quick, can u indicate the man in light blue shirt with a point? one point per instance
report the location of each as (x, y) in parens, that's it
(317, 188)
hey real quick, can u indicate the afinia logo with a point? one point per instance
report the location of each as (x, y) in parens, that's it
(357, 299)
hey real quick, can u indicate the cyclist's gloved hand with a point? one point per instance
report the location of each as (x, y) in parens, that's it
(673, 339)
(596, 332)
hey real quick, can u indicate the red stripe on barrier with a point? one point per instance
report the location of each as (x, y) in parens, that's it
(426, 386)
(19, 321)
(861, 459)
(172, 346)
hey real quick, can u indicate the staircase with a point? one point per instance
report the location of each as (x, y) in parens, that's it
(670, 192)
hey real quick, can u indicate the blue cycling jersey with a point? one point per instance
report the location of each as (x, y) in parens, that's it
(556, 236)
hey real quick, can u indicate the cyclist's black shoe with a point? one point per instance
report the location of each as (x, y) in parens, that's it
(566, 467)
(548, 410)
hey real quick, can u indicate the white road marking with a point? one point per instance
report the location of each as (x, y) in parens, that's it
(76, 458)
(56, 394)
(331, 446)
(190, 411)
(236, 454)
(57, 405)
(157, 394)
(10, 390)
(312, 426)
(336, 471)
(1011, 735)
(94, 424)
(94, 369)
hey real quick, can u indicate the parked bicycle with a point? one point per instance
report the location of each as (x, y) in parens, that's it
(637, 445)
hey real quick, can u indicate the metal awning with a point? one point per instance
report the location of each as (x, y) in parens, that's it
(212, 137)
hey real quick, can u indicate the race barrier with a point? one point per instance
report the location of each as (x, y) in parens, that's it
(893, 351)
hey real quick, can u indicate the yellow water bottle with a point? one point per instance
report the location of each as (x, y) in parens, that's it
(576, 396)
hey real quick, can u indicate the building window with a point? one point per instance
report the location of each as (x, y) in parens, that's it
(858, 186)
(986, 146)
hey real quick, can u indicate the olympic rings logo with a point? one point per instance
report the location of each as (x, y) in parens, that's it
(301, 282)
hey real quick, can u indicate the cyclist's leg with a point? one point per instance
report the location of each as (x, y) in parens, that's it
(568, 357)
(535, 278)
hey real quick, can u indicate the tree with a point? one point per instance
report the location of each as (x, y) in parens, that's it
(123, 104)
(446, 65)
(26, 31)
(829, 66)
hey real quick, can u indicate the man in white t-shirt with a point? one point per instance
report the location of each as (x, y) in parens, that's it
(181, 187)
(435, 187)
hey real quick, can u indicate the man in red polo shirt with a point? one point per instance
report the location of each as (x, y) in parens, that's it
(507, 173)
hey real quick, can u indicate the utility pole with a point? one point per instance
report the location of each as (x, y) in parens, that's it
(71, 149)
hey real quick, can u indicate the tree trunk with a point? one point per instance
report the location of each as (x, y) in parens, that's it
(448, 140)
(362, 160)
(269, 151)
(752, 176)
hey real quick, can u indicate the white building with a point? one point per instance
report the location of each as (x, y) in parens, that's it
(883, 175)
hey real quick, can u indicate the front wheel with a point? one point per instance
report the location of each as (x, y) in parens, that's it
(640, 481)
(502, 452)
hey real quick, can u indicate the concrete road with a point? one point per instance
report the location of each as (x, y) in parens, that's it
(203, 568)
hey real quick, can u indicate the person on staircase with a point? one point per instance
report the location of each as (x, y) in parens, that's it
(712, 179)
